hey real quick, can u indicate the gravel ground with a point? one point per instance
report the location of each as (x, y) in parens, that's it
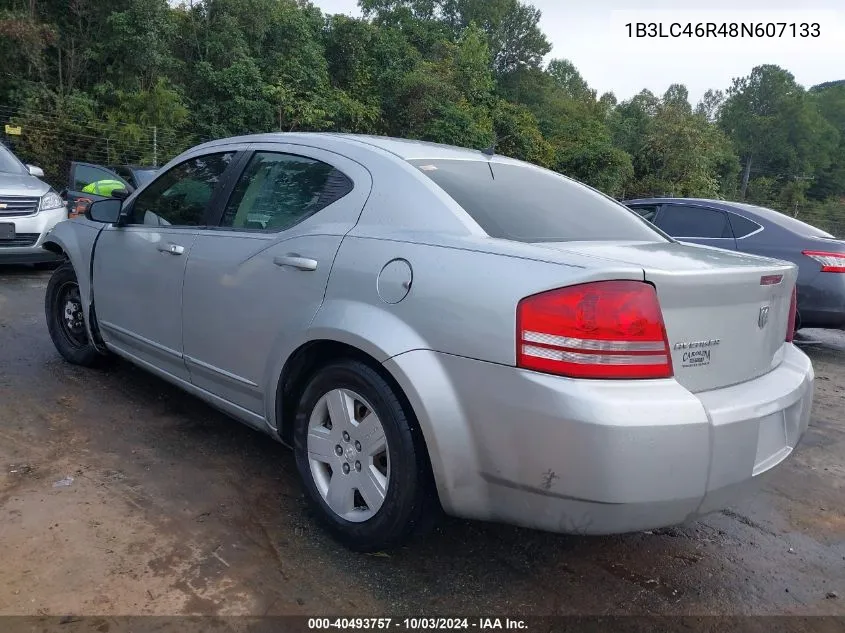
(120, 495)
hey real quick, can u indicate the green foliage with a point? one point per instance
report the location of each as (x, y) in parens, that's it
(680, 153)
(100, 80)
(518, 134)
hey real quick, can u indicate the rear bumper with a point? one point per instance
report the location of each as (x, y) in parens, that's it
(38, 224)
(598, 457)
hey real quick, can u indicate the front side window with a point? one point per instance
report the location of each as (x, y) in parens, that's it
(277, 191)
(526, 204)
(681, 221)
(181, 196)
(84, 175)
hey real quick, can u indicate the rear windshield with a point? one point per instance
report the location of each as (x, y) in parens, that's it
(526, 204)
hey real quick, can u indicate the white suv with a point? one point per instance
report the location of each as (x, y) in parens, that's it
(29, 208)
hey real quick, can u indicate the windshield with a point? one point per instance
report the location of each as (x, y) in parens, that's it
(9, 164)
(143, 176)
(526, 204)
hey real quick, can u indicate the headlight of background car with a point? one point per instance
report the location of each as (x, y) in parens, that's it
(51, 200)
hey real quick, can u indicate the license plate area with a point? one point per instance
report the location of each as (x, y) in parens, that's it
(7, 231)
(772, 444)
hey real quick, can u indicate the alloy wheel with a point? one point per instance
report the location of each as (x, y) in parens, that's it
(347, 454)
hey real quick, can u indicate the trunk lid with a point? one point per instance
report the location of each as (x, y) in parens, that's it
(726, 313)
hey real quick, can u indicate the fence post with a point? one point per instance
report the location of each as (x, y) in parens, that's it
(155, 146)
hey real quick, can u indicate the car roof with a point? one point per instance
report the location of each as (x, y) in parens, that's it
(403, 148)
(749, 211)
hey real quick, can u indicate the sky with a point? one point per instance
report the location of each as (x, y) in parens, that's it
(592, 35)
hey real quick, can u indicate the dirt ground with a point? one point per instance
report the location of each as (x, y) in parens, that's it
(120, 495)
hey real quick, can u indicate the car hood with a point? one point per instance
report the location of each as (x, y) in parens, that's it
(21, 185)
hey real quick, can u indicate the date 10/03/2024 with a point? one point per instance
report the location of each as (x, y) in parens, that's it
(418, 624)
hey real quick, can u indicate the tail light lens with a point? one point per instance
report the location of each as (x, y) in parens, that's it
(793, 311)
(605, 329)
(831, 262)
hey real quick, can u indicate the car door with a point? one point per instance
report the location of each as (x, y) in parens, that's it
(82, 175)
(255, 281)
(696, 224)
(139, 267)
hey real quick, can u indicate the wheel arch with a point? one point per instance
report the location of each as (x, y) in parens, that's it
(74, 240)
(305, 361)
(54, 246)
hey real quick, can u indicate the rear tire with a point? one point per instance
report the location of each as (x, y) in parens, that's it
(361, 459)
(64, 312)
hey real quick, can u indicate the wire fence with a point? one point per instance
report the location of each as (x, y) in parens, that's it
(828, 218)
(53, 141)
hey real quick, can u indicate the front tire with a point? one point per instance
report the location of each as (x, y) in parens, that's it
(64, 312)
(361, 459)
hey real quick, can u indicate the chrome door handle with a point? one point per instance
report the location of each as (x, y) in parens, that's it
(173, 249)
(295, 261)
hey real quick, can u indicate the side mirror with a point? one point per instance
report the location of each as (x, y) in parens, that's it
(35, 171)
(104, 211)
(120, 194)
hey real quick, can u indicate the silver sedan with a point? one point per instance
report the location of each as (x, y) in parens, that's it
(434, 327)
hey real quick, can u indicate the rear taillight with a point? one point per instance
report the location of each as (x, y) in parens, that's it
(604, 329)
(793, 311)
(831, 262)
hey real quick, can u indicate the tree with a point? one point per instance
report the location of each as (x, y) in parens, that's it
(710, 105)
(675, 151)
(512, 27)
(829, 181)
(448, 100)
(569, 80)
(518, 134)
(90, 80)
(774, 126)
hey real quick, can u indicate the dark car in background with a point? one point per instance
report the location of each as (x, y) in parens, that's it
(82, 183)
(760, 231)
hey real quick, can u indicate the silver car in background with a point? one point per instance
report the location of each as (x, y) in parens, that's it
(429, 326)
(29, 208)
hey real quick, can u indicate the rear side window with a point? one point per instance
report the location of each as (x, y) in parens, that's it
(526, 204)
(277, 191)
(680, 221)
(646, 212)
(742, 226)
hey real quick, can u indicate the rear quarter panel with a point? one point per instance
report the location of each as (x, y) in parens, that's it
(460, 301)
